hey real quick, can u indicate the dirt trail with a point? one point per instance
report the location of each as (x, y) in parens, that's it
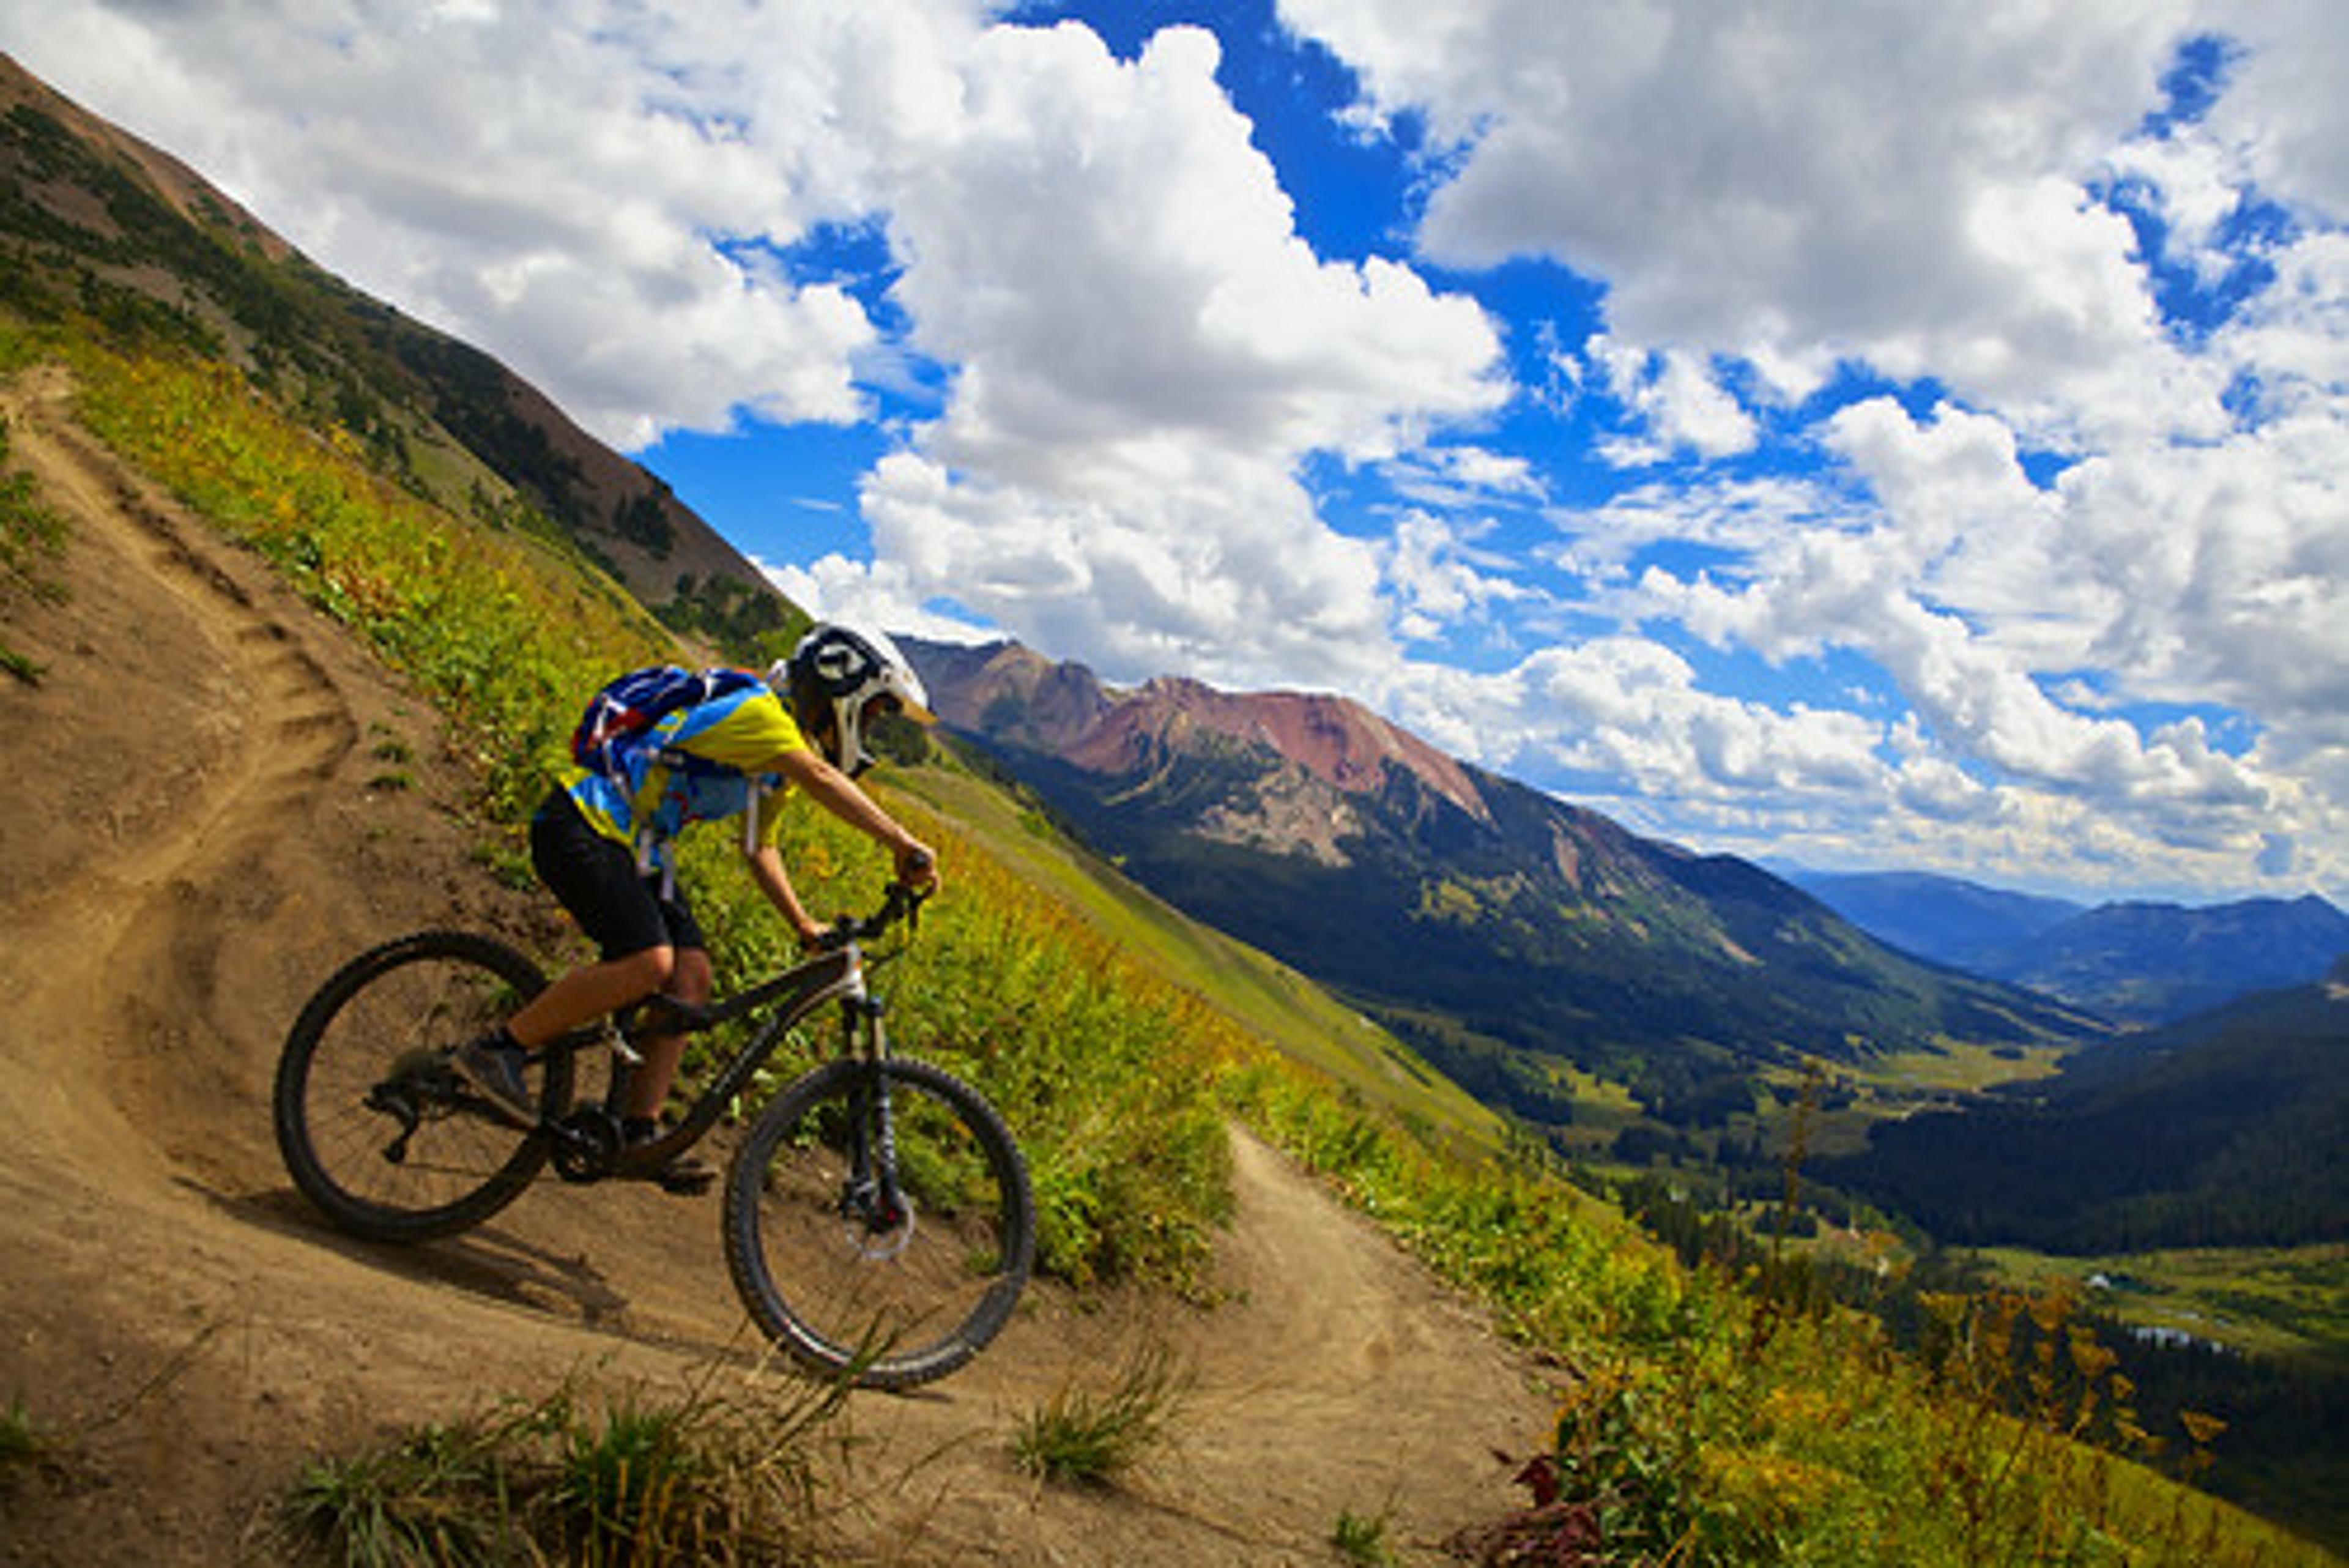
(202, 819)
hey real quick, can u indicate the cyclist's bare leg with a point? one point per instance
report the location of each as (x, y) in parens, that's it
(588, 992)
(690, 982)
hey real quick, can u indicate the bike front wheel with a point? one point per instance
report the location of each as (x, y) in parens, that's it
(879, 1223)
(376, 1127)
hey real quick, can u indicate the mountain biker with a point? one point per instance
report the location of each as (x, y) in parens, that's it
(606, 853)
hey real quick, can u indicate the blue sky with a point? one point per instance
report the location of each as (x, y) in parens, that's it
(1900, 436)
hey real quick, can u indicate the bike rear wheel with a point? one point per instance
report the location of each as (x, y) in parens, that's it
(893, 1288)
(376, 1127)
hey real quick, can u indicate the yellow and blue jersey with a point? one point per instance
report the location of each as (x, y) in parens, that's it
(695, 764)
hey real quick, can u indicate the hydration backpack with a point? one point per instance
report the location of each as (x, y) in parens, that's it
(619, 717)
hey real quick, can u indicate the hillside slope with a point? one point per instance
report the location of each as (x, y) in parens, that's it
(212, 825)
(2223, 1130)
(93, 218)
(1501, 931)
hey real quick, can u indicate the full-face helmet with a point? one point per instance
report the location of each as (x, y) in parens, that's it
(838, 680)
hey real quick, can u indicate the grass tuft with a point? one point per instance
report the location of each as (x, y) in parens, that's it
(1362, 1538)
(1088, 1436)
(434, 1496)
(624, 1480)
(23, 1439)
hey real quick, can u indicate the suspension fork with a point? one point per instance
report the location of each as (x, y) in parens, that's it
(874, 1137)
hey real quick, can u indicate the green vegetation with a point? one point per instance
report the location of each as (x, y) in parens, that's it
(23, 1439)
(1720, 1416)
(1361, 1540)
(692, 1477)
(2264, 1300)
(1090, 1437)
(2259, 1336)
(2225, 1131)
(753, 627)
(31, 539)
(471, 398)
(1271, 1003)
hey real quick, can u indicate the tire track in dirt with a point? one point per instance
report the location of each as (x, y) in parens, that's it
(271, 726)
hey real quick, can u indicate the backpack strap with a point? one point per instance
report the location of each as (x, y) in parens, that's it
(754, 813)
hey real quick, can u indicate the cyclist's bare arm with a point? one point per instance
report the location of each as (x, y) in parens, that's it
(766, 868)
(839, 794)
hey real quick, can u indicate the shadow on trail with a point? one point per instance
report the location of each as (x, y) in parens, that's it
(488, 1261)
(498, 1266)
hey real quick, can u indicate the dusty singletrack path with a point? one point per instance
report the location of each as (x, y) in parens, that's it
(212, 797)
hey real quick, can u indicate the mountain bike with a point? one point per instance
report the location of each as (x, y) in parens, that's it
(877, 1216)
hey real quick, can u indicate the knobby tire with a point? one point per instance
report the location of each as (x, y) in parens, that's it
(890, 1307)
(373, 1038)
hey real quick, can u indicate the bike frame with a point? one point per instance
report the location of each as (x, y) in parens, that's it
(838, 975)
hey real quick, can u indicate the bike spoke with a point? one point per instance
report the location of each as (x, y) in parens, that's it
(375, 1126)
(846, 1276)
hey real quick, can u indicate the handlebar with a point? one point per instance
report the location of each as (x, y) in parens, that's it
(899, 903)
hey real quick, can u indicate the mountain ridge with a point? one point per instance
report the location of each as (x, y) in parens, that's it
(2137, 962)
(1949, 919)
(94, 216)
(1503, 932)
(1010, 693)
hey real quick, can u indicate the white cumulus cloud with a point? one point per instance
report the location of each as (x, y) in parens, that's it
(1937, 454)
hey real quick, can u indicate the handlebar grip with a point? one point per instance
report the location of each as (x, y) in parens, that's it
(900, 902)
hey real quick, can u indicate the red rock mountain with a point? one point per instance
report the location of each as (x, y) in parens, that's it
(1324, 754)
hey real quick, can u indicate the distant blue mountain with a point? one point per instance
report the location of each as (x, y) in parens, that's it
(2132, 962)
(1943, 919)
(2156, 963)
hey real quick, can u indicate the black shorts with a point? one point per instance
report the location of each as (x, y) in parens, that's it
(619, 907)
